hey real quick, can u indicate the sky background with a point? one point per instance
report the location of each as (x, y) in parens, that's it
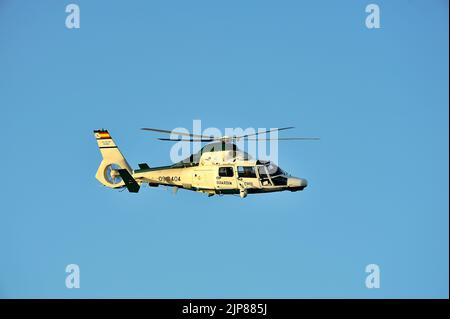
(378, 178)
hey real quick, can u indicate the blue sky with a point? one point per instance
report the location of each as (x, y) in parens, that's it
(378, 177)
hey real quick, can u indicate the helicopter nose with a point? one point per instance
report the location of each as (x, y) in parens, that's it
(297, 184)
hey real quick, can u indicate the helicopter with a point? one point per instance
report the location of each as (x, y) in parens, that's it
(219, 168)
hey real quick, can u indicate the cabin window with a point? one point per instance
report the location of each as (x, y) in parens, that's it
(226, 171)
(246, 171)
(262, 172)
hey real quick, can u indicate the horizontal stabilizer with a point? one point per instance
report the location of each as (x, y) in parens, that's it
(144, 166)
(130, 182)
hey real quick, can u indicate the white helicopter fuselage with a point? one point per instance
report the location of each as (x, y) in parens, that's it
(220, 177)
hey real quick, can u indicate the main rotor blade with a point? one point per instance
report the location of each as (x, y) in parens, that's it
(187, 140)
(203, 138)
(174, 132)
(268, 131)
(284, 139)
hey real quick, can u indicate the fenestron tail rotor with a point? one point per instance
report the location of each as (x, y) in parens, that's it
(203, 138)
(112, 174)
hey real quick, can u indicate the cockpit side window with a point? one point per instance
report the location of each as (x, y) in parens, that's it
(246, 171)
(226, 171)
(274, 170)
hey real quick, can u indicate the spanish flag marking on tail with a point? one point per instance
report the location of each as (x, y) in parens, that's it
(102, 134)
